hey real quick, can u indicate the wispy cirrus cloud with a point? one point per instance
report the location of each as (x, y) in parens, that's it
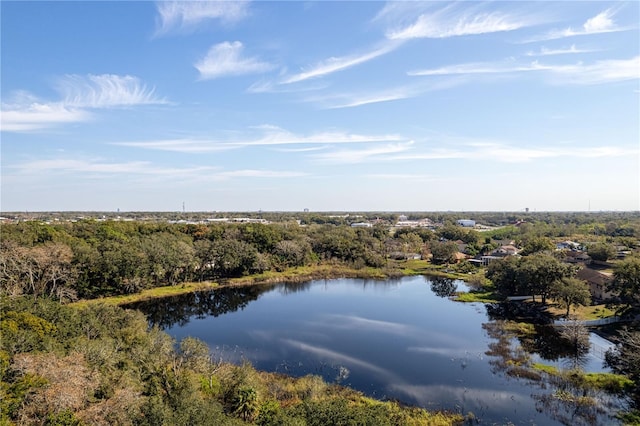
(184, 145)
(402, 176)
(448, 148)
(599, 72)
(272, 86)
(508, 153)
(601, 23)
(80, 95)
(352, 100)
(250, 173)
(105, 91)
(335, 64)
(372, 98)
(455, 20)
(363, 155)
(562, 51)
(268, 135)
(225, 59)
(100, 168)
(479, 68)
(38, 115)
(186, 16)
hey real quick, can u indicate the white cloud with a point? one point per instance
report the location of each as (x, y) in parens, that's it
(37, 116)
(269, 136)
(260, 174)
(501, 152)
(189, 146)
(562, 51)
(335, 64)
(98, 166)
(479, 68)
(105, 91)
(105, 169)
(303, 149)
(599, 72)
(601, 23)
(352, 156)
(185, 16)
(402, 176)
(275, 87)
(352, 100)
(225, 59)
(25, 112)
(453, 21)
(372, 98)
(277, 136)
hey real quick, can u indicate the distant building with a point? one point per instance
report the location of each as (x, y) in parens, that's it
(567, 245)
(361, 225)
(505, 250)
(597, 282)
(422, 223)
(577, 257)
(485, 260)
(467, 223)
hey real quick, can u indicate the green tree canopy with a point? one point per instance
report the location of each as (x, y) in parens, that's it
(539, 272)
(535, 244)
(626, 282)
(601, 251)
(571, 292)
(443, 252)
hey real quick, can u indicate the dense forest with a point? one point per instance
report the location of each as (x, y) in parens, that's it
(93, 258)
(98, 364)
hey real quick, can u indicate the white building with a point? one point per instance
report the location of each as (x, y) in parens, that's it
(467, 223)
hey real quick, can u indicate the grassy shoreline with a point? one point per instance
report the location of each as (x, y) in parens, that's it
(291, 275)
(328, 271)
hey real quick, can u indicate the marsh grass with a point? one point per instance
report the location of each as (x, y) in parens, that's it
(394, 269)
(608, 382)
(149, 294)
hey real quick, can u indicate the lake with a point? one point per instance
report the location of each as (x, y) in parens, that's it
(394, 339)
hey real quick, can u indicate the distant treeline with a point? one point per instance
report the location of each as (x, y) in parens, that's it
(91, 258)
(566, 222)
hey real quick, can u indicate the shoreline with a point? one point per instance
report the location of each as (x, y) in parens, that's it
(291, 275)
(324, 271)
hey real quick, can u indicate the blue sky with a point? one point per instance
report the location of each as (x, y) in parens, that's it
(331, 106)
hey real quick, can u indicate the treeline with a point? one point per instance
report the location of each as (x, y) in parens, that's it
(608, 223)
(102, 365)
(88, 259)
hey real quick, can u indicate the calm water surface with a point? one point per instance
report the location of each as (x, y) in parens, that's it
(390, 339)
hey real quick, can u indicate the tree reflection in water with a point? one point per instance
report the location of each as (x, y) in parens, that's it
(443, 287)
(177, 310)
(577, 335)
(565, 396)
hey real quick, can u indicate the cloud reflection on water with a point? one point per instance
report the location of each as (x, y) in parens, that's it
(448, 352)
(477, 400)
(357, 322)
(339, 357)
